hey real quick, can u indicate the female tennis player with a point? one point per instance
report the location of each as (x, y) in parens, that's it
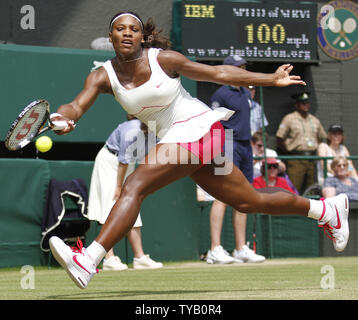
(144, 77)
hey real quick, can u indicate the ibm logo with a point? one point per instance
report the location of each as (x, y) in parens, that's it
(199, 11)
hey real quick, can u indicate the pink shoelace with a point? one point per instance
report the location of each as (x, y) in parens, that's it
(79, 248)
(327, 229)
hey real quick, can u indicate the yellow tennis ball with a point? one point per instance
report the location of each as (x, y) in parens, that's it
(44, 144)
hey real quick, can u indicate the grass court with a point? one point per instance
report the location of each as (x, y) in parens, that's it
(276, 279)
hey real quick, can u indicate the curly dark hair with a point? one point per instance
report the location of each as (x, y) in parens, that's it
(152, 37)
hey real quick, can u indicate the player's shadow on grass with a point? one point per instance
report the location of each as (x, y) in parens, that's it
(160, 295)
(124, 294)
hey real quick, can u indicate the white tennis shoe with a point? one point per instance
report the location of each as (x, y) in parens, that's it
(337, 228)
(145, 262)
(219, 255)
(76, 261)
(245, 254)
(114, 263)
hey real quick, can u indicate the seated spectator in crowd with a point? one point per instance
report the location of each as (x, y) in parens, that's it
(341, 182)
(258, 151)
(273, 179)
(334, 147)
(257, 144)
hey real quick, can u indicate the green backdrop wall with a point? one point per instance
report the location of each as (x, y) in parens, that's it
(170, 217)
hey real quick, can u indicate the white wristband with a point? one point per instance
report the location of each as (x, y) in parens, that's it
(52, 115)
(59, 124)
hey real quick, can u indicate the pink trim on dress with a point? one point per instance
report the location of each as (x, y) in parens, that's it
(143, 108)
(200, 114)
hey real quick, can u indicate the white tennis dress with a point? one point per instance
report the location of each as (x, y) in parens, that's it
(163, 104)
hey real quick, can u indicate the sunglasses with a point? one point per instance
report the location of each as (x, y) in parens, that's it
(270, 166)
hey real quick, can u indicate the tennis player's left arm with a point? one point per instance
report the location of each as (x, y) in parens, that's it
(174, 63)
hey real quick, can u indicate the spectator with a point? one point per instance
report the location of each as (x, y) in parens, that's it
(300, 133)
(257, 144)
(334, 147)
(258, 151)
(272, 174)
(238, 148)
(102, 43)
(341, 180)
(255, 113)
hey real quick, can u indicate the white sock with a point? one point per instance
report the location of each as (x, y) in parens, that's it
(96, 252)
(317, 210)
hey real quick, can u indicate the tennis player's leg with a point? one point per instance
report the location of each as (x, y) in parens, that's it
(236, 191)
(150, 176)
(162, 166)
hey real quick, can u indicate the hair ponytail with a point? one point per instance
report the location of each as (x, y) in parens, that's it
(153, 38)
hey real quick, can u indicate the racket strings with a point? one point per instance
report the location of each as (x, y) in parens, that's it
(29, 122)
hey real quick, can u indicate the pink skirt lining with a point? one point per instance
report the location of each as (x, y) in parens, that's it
(209, 146)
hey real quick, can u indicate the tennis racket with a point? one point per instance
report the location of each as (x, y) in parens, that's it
(30, 124)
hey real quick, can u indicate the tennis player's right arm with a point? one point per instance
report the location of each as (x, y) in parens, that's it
(96, 83)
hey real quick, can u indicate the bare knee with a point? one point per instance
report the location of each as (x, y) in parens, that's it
(133, 189)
